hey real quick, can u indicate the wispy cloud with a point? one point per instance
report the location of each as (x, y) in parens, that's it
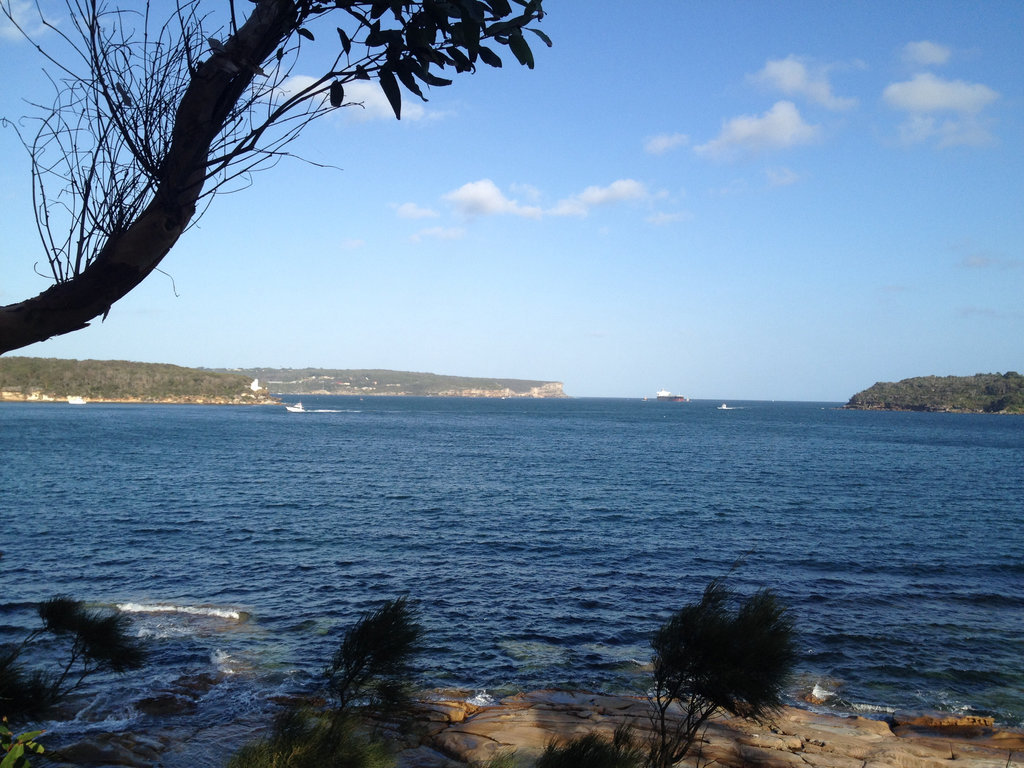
(778, 128)
(948, 111)
(439, 233)
(616, 192)
(781, 177)
(664, 142)
(927, 93)
(26, 21)
(414, 211)
(926, 53)
(984, 261)
(484, 198)
(662, 219)
(794, 76)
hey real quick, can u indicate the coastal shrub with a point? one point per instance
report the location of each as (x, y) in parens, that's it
(596, 751)
(89, 640)
(709, 657)
(304, 739)
(372, 667)
(370, 676)
(15, 748)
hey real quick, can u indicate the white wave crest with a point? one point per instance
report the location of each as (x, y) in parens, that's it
(192, 610)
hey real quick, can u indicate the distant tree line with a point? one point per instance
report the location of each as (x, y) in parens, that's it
(117, 380)
(980, 393)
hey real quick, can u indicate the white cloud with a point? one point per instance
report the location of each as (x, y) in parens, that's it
(781, 177)
(662, 143)
(926, 53)
(414, 211)
(661, 218)
(778, 128)
(927, 93)
(793, 77)
(26, 16)
(439, 233)
(370, 103)
(483, 198)
(616, 192)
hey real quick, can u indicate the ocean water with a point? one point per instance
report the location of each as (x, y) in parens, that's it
(543, 540)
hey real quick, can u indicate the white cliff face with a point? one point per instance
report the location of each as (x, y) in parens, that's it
(548, 390)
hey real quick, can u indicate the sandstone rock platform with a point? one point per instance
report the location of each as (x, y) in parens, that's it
(460, 734)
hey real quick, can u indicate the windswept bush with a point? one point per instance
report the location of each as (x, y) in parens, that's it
(370, 674)
(93, 641)
(596, 751)
(709, 657)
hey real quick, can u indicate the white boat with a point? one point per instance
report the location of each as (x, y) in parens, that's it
(724, 407)
(297, 408)
(76, 400)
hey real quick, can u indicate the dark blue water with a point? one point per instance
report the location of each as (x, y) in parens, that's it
(544, 540)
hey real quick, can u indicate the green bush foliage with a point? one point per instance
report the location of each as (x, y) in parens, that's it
(596, 751)
(303, 739)
(373, 665)
(370, 674)
(710, 656)
(92, 641)
(980, 393)
(15, 748)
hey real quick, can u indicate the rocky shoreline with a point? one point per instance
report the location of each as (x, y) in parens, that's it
(453, 732)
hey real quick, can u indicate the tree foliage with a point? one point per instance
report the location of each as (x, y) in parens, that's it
(373, 664)
(153, 115)
(370, 674)
(980, 393)
(595, 751)
(711, 656)
(91, 641)
(118, 380)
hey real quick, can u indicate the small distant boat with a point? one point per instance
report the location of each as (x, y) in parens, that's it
(297, 408)
(76, 400)
(724, 407)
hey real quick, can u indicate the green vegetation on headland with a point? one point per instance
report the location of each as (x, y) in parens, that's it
(49, 379)
(323, 381)
(981, 393)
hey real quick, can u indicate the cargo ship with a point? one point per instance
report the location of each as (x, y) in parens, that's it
(664, 394)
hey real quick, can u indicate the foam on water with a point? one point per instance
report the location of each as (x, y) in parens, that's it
(191, 610)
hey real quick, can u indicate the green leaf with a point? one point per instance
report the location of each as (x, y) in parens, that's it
(303, 32)
(390, 87)
(501, 8)
(541, 35)
(337, 93)
(489, 57)
(405, 75)
(517, 43)
(346, 44)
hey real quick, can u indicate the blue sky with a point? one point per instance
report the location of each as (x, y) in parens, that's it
(786, 200)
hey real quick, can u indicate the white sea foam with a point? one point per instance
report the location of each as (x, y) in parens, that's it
(821, 693)
(191, 610)
(223, 661)
(481, 699)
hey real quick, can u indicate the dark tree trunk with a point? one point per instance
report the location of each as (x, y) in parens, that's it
(128, 257)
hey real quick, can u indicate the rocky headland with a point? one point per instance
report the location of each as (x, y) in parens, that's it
(980, 393)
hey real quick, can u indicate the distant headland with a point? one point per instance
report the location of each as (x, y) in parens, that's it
(980, 393)
(36, 379)
(372, 382)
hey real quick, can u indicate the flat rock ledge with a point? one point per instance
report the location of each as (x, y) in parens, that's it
(459, 734)
(451, 732)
